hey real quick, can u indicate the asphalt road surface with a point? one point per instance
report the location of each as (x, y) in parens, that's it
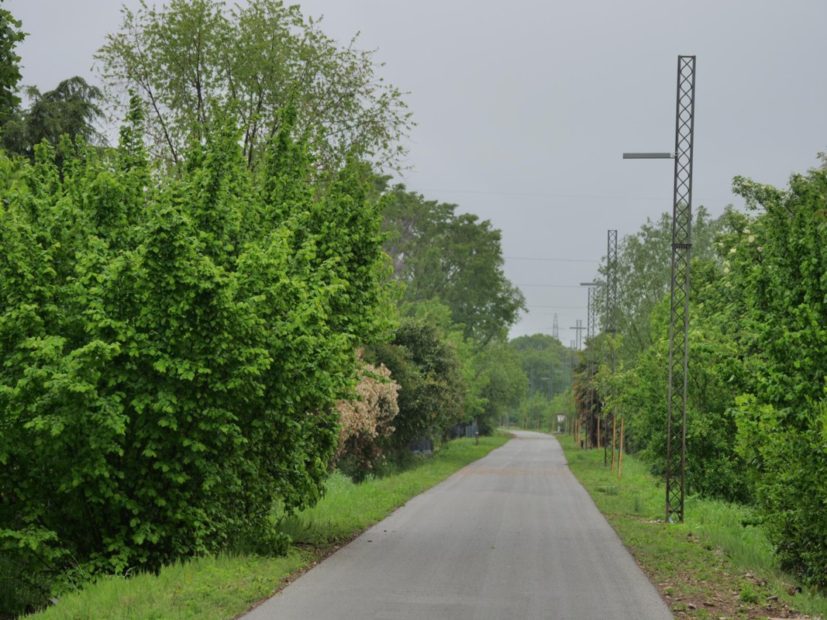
(513, 535)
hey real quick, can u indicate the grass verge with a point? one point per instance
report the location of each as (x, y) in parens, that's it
(225, 586)
(717, 564)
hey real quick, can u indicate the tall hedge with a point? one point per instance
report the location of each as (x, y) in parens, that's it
(172, 346)
(777, 272)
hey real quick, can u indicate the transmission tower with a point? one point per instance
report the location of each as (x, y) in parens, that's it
(579, 330)
(679, 298)
(555, 330)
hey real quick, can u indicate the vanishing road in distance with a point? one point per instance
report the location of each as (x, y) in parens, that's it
(513, 535)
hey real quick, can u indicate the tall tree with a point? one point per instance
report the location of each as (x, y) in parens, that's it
(193, 59)
(70, 109)
(10, 36)
(644, 275)
(454, 258)
(546, 363)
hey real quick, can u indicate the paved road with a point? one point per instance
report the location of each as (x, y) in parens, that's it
(512, 536)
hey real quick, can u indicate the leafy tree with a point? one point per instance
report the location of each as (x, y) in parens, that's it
(503, 384)
(469, 355)
(644, 276)
(456, 259)
(637, 388)
(10, 36)
(192, 61)
(70, 109)
(638, 392)
(535, 413)
(546, 363)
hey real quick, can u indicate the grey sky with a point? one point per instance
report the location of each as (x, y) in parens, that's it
(524, 108)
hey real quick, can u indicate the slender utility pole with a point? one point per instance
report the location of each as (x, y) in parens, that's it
(591, 332)
(679, 297)
(611, 281)
(576, 424)
(589, 335)
(611, 325)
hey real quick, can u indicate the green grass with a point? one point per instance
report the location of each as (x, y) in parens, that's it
(224, 586)
(717, 563)
(211, 588)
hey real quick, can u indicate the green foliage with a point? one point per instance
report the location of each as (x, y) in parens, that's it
(535, 413)
(502, 383)
(224, 586)
(777, 261)
(10, 36)
(431, 387)
(643, 277)
(192, 62)
(637, 388)
(757, 369)
(547, 367)
(453, 258)
(545, 361)
(450, 270)
(173, 348)
(712, 466)
(70, 109)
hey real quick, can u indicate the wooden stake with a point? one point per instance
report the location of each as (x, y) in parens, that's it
(620, 458)
(614, 442)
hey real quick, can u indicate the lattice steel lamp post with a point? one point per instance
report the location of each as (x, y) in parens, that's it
(679, 298)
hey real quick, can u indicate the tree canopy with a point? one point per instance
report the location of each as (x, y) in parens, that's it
(454, 258)
(71, 109)
(10, 36)
(192, 61)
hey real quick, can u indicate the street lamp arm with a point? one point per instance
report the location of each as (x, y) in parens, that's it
(648, 156)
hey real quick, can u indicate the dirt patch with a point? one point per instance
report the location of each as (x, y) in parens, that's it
(717, 591)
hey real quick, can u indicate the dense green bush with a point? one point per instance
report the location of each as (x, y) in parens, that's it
(777, 275)
(431, 386)
(713, 467)
(172, 346)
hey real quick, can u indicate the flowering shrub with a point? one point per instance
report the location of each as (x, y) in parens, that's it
(367, 421)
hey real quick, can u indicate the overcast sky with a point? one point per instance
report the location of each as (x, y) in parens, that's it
(523, 108)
